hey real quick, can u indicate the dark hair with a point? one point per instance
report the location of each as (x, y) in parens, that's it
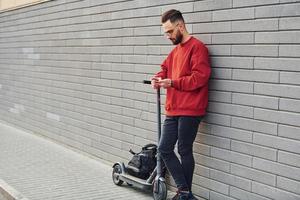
(172, 15)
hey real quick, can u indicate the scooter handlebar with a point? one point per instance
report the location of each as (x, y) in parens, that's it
(147, 82)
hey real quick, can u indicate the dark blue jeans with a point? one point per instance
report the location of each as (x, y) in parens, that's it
(181, 129)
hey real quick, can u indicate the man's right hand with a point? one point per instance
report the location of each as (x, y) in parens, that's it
(155, 82)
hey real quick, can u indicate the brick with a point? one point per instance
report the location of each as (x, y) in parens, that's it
(255, 25)
(201, 191)
(135, 131)
(131, 112)
(212, 185)
(289, 51)
(256, 75)
(287, 64)
(111, 58)
(183, 7)
(212, 5)
(276, 142)
(290, 78)
(289, 131)
(277, 90)
(254, 125)
(122, 84)
(254, 150)
(253, 174)
(213, 140)
(288, 23)
(111, 75)
(230, 109)
(277, 116)
(217, 196)
(255, 50)
(272, 192)
(51, 116)
(244, 3)
(219, 96)
(233, 14)
(255, 100)
(289, 105)
(122, 119)
(244, 195)
(277, 10)
(145, 125)
(232, 86)
(219, 119)
(127, 103)
(232, 62)
(231, 156)
(289, 185)
(141, 50)
(231, 179)
(196, 17)
(287, 1)
(122, 67)
(219, 73)
(138, 141)
(147, 31)
(100, 98)
(121, 50)
(133, 77)
(133, 22)
(134, 95)
(155, 59)
(105, 107)
(277, 37)
(276, 168)
(212, 27)
(232, 133)
(289, 158)
(234, 38)
(201, 170)
(219, 50)
(133, 41)
(134, 59)
(205, 127)
(111, 141)
(157, 40)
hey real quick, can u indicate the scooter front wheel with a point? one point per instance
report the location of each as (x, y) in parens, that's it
(117, 170)
(161, 193)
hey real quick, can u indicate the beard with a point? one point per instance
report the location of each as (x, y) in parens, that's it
(177, 39)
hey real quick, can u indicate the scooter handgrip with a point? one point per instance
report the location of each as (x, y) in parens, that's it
(132, 152)
(147, 82)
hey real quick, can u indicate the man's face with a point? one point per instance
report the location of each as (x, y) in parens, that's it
(172, 32)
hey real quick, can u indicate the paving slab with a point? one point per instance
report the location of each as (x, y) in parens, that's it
(41, 169)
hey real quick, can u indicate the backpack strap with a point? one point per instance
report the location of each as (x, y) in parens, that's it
(149, 147)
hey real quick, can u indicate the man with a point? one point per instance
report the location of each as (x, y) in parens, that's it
(184, 74)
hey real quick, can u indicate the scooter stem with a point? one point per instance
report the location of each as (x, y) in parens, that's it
(159, 170)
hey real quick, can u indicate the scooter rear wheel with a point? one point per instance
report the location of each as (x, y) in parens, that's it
(161, 194)
(117, 170)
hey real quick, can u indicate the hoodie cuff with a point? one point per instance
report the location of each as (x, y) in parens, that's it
(175, 84)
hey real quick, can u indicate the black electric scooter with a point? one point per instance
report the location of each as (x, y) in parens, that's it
(156, 182)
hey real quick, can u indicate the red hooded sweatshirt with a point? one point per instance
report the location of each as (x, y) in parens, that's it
(188, 67)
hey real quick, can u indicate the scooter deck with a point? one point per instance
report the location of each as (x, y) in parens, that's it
(136, 182)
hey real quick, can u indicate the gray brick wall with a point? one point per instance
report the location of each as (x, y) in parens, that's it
(72, 71)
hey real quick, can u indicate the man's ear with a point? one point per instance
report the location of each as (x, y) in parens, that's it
(181, 27)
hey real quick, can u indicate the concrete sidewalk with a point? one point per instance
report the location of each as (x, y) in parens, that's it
(40, 170)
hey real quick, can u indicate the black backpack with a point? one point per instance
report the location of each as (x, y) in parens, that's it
(143, 163)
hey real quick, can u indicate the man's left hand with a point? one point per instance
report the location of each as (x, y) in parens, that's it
(165, 83)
